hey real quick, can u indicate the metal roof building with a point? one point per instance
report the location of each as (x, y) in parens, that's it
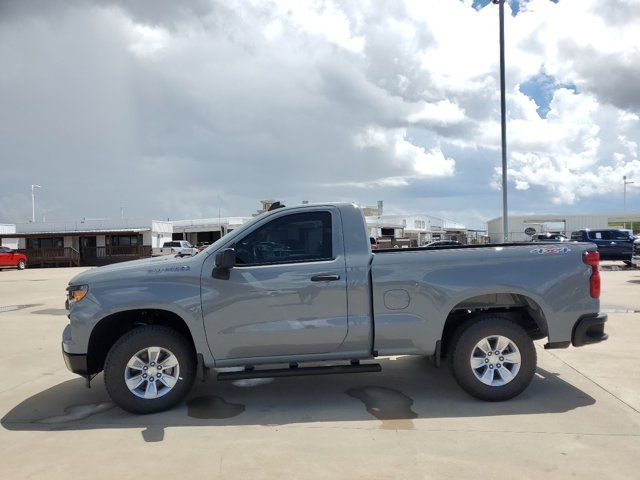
(560, 223)
(89, 241)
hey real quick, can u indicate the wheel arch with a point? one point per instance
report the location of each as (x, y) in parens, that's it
(518, 307)
(110, 328)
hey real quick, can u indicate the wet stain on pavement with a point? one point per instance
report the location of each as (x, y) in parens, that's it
(78, 412)
(51, 311)
(13, 308)
(212, 407)
(153, 434)
(391, 406)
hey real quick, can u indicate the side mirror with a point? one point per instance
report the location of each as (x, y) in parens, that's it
(225, 261)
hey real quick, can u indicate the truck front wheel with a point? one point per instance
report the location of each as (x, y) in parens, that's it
(492, 358)
(149, 369)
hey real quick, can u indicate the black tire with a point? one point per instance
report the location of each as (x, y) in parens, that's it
(462, 346)
(131, 343)
(628, 263)
(21, 265)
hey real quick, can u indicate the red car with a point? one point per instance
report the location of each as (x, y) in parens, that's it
(12, 259)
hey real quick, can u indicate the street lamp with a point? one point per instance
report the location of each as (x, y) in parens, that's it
(503, 124)
(624, 180)
(33, 202)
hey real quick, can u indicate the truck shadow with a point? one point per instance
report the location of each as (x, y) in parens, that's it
(408, 389)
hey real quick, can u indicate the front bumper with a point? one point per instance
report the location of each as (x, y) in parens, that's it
(635, 260)
(76, 363)
(589, 329)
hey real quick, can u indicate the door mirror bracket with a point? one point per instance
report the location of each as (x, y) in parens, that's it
(225, 261)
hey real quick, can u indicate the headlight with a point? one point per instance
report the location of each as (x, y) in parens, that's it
(75, 293)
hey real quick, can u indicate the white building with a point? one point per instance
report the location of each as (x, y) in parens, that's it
(205, 230)
(421, 228)
(8, 229)
(559, 223)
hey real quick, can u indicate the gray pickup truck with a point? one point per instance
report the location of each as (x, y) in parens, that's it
(301, 284)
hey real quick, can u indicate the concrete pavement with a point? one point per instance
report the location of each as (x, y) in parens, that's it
(580, 417)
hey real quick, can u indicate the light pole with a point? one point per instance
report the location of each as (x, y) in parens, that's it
(503, 124)
(33, 202)
(624, 180)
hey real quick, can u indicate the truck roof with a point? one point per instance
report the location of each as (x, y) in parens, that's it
(340, 205)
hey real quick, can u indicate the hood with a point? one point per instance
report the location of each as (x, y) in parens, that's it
(169, 262)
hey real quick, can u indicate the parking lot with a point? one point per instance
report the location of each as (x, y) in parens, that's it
(580, 417)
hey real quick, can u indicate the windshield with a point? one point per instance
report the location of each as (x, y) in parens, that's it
(236, 232)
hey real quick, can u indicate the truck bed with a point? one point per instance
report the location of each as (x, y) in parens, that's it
(416, 292)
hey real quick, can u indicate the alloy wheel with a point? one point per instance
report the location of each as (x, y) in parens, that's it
(495, 360)
(152, 372)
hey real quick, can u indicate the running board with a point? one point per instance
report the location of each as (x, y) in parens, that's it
(299, 371)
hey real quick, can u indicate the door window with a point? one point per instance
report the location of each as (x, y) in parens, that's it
(618, 235)
(299, 237)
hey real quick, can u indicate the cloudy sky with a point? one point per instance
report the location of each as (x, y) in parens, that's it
(176, 109)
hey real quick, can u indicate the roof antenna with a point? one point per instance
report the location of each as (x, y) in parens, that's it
(275, 206)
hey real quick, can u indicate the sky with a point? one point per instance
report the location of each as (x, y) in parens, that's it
(181, 109)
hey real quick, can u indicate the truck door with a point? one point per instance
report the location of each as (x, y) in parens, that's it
(287, 293)
(620, 243)
(612, 245)
(5, 257)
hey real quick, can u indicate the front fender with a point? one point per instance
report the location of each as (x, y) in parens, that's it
(181, 298)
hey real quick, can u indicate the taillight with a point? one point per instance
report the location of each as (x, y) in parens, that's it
(593, 259)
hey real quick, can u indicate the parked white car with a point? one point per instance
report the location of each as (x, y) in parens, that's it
(174, 247)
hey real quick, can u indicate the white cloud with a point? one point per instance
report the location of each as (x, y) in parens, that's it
(403, 153)
(580, 150)
(443, 112)
(317, 18)
(148, 41)
(213, 101)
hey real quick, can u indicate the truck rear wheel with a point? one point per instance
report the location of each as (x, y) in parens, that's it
(149, 369)
(492, 358)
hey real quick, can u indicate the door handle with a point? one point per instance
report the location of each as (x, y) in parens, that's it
(325, 278)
